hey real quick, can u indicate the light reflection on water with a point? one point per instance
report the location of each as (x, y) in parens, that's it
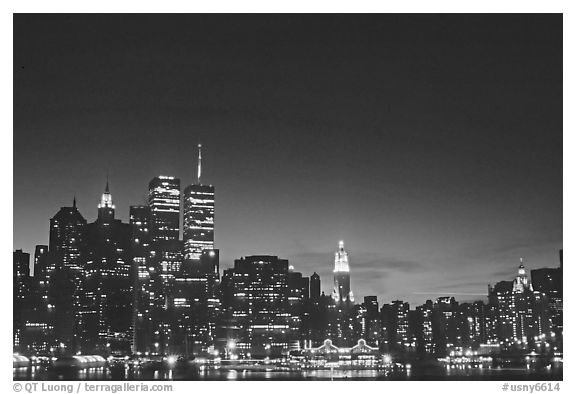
(428, 373)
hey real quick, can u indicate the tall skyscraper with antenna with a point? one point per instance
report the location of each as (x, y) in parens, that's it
(198, 216)
(342, 292)
(164, 202)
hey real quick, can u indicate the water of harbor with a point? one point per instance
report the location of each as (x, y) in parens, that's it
(437, 372)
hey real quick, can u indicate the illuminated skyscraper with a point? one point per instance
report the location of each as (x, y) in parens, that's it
(367, 321)
(166, 256)
(298, 295)
(196, 305)
(259, 309)
(38, 332)
(521, 282)
(64, 274)
(107, 312)
(548, 281)
(342, 292)
(164, 202)
(425, 333)
(198, 217)
(145, 277)
(394, 318)
(67, 231)
(21, 289)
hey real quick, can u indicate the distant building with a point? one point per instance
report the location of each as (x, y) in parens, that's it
(395, 326)
(314, 286)
(522, 313)
(360, 356)
(548, 281)
(446, 324)
(38, 321)
(196, 305)
(425, 343)
(40, 267)
(21, 273)
(368, 321)
(297, 298)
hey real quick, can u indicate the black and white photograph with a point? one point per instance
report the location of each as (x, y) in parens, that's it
(287, 197)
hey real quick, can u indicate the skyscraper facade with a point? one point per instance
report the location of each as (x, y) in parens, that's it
(145, 278)
(164, 202)
(298, 295)
(40, 267)
(37, 335)
(67, 232)
(395, 332)
(166, 256)
(21, 289)
(260, 312)
(67, 248)
(107, 312)
(548, 281)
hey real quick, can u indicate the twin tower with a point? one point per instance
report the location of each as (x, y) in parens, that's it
(198, 215)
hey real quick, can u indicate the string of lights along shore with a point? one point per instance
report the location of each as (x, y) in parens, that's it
(142, 288)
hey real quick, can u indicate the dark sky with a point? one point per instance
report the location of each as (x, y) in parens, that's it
(431, 144)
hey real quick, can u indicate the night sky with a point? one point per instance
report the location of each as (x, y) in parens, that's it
(432, 145)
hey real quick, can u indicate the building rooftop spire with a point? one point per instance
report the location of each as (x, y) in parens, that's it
(199, 162)
(106, 200)
(342, 291)
(341, 259)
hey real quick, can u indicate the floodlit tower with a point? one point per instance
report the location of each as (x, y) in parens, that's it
(521, 282)
(105, 208)
(342, 292)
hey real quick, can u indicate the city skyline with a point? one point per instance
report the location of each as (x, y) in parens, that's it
(439, 167)
(340, 263)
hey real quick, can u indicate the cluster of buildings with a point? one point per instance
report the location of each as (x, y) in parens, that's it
(114, 288)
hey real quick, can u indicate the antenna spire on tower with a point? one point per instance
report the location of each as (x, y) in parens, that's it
(199, 162)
